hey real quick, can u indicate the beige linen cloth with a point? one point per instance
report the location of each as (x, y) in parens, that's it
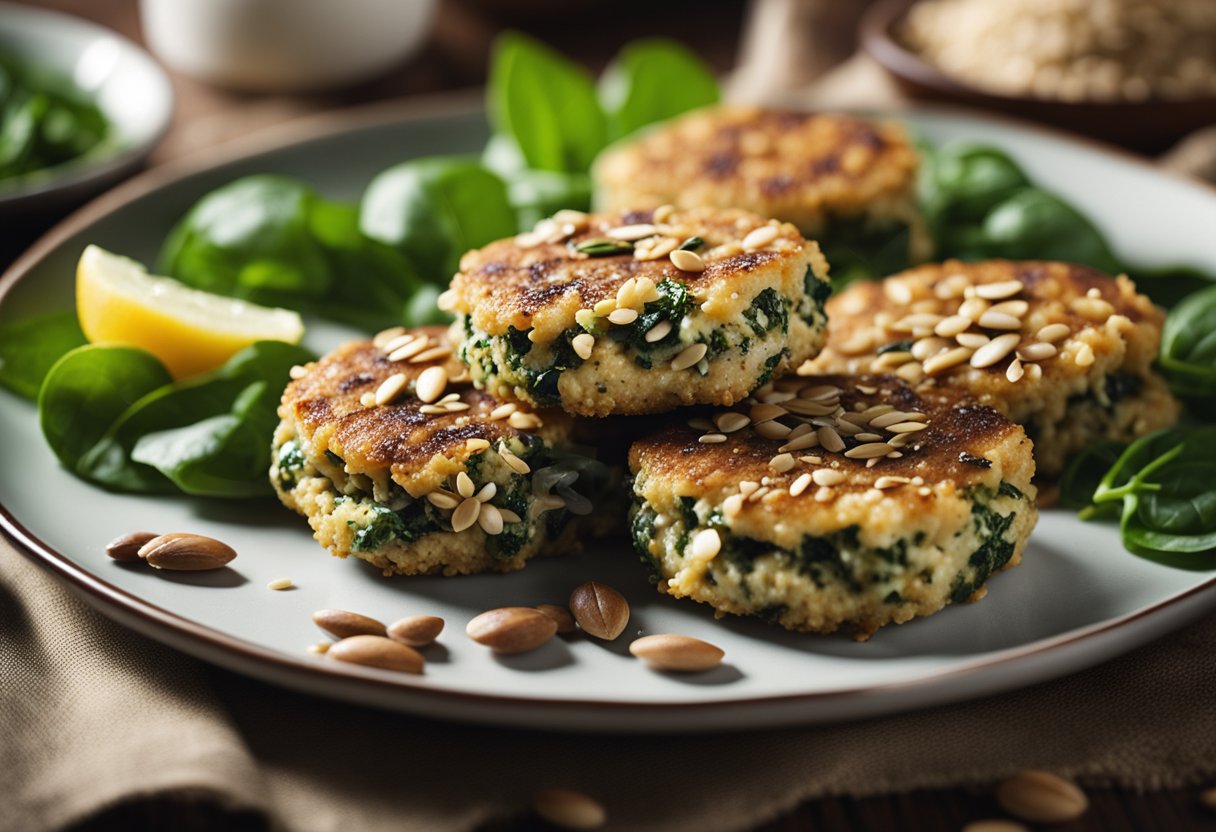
(93, 716)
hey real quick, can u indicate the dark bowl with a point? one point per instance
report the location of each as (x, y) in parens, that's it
(1147, 126)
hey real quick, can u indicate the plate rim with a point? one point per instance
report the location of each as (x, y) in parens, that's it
(118, 603)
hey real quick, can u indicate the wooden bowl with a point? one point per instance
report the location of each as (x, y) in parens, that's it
(1148, 126)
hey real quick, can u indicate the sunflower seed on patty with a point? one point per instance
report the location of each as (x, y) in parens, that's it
(431, 355)
(512, 461)
(1054, 332)
(995, 350)
(782, 462)
(883, 483)
(689, 356)
(998, 291)
(658, 332)
(944, 361)
(760, 237)
(408, 350)
(623, 316)
(391, 387)
(771, 429)
(1085, 356)
(465, 514)
(1014, 371)
(503, 411)
(583, 344)
(907, 427)
(949, 327)
(1038, 351)
(430, 384)
(687, 261)
(632, 233)
(490, 519)
(830, 439)
(869, 450)
(827, 476)
(731, 421)
(998, 320)
(711, 439)
(973, 340)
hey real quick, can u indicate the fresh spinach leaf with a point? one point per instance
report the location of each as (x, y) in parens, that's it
(534, 194)
(208, 435)
(221, 456)
(87, 390)
(1033, 224)
(546, 104)
(652, 80)
(252, 239)
(961, 182)
(275, 241)
(435, 209)
(29, 348)
(1164, 482)
(371, 282)
(1188, 346)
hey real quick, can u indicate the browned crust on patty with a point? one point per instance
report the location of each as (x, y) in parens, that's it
(398, 436)
(957, 431)
(798, 166)
(506, 284)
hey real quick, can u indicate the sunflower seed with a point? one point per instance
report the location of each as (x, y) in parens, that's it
(431, 355)
(391, 387)
(944, 361)
(830, 439)
(730, 422)
(1038, 351)
(408, 350)
(583, 344)
(632, 233)
(760, 237)
(998, 320)
(689, 356)
(870, 450)
(949, 327)
(827, 476)
(995, 350)
(1085, 356)
(442, 499)
(1054, 332)
(771, 430)
(465, 514)
(658, 332)
(490, 519)
(687, 261)
(431, 384)
(998, 291)
(1015, 372)
(711, 438)
(800, 484)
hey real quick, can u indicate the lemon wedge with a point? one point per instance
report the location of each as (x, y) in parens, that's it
(189, 330)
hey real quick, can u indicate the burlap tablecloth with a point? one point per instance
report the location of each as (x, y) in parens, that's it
(92, 715)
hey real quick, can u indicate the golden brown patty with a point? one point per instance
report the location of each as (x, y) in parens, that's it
(1070, 356)
(834, 500)
(804, 168)
(593, 313)
(452, 484)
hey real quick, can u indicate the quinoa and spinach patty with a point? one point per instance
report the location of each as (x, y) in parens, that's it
(833, 501)
(395, 459)
(639, 312)
(846, 181)
(1064, 350)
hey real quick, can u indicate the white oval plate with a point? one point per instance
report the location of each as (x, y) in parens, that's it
(1078, 599)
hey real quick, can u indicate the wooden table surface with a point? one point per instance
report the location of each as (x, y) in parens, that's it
(456, 58)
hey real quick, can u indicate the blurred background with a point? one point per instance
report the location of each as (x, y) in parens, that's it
(1135, 73)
